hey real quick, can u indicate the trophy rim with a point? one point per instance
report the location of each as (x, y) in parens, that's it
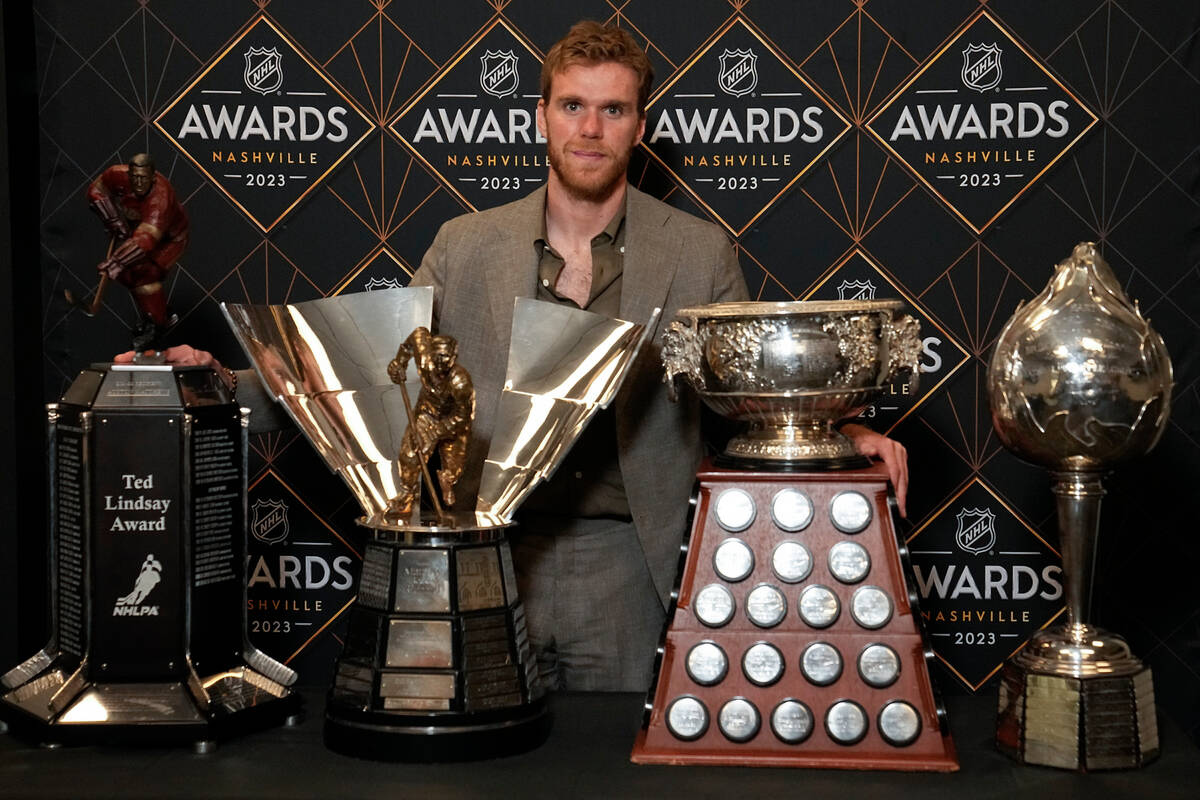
(788, 308)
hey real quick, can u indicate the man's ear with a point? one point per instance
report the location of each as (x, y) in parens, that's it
(541, 116)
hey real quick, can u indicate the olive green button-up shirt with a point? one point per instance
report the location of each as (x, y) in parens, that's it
(588, 483)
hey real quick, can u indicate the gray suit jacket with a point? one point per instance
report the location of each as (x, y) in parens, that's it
(479, 263)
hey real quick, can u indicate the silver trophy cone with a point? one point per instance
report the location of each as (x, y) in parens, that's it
(437, 663)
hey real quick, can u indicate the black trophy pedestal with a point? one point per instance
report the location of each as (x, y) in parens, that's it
(437, 664)
(147, 551)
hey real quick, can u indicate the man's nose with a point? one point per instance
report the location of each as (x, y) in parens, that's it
(591, 125)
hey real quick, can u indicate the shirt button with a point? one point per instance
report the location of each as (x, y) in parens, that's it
(622, 249)
(578, 474)
(545, 281)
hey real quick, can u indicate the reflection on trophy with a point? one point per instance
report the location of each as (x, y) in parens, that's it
(436, 664)
(794, 639)
(148, 587)
(1079, 382)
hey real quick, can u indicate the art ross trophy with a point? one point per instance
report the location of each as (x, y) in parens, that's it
(437, 664)
(1079, 383)
(794, 637)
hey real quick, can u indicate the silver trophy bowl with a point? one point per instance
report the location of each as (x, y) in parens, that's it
(1079, 382)
(791, 370)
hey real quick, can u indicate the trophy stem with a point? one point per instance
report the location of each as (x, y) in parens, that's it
(1078, 496)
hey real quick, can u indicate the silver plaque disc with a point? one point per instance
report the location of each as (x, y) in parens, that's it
(733, 560)
(791, 562)
(738, 720)
(821, 663)
(819, 606)
(850, 512)
(762, 663)
(871, 607)
(849, 562)
(734, 510)
(687, 718)
(714, 605)
(899, 723)
(846, 722)
(792, 510)
(878, 665)
(707, 663)
(765, 605)
(791, 721)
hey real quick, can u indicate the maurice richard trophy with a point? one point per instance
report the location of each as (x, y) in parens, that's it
(1079, 383)
(794, 637)
(437, 663)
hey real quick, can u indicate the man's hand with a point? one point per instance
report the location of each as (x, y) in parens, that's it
(889, 451)
(182, 356)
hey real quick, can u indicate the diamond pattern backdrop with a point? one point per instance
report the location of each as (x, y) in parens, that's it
(107, 71)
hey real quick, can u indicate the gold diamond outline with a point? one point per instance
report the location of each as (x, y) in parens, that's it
(237, 39)
(1037, 62)
(700, 53)
(279, 479)
(376, 253)
(976, 479)
(966, 355)
(436, 78)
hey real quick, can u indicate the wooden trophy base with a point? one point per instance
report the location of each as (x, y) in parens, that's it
(771, 659)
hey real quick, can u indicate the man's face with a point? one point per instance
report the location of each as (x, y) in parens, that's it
(141, 179)
(591, 124)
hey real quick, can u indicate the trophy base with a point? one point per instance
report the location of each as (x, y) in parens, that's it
(739, 688)
(1076, 698)
(56, 708)
(437, 663)
(449, 737)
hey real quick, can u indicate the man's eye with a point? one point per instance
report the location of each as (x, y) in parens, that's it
(613, 111)
(572, 106)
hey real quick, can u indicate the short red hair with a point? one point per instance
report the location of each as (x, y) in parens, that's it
(591, 43)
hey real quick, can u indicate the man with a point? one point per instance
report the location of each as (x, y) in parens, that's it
(441, 420)
(597, 547)
(149, 227)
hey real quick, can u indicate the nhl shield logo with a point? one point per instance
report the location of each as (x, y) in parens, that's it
(498, 75)
(981, 67)
(264, 73)
(382, 283)
(739, 72)
(856, 290)
(269, 521)
(976, 530)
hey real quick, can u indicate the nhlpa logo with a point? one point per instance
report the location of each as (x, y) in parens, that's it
(976, 530)
(498, 74)
(738, 72)
(269, 521)
(130, 605)
(981, 67)
(264, 71)
(856, 290)
(382, 283)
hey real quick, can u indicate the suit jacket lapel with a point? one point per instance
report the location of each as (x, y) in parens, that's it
(651, 258)
(514, 272)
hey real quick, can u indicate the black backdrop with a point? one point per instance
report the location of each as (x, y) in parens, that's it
(838, 215)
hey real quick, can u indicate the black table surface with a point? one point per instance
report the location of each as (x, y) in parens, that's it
(587, 755)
